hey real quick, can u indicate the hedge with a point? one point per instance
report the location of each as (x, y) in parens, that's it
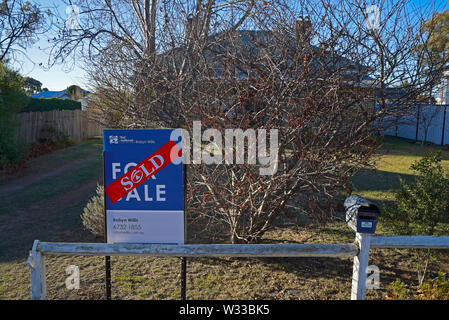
(36, 105)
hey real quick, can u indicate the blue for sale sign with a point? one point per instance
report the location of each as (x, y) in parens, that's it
(143, 186)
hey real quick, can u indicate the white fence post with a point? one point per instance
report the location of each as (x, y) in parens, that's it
(36, 262)
(360, 268)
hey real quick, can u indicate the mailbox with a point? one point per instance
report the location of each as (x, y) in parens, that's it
(361, 214)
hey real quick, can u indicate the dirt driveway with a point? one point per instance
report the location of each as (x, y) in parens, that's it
(47, 205)
(35, 178)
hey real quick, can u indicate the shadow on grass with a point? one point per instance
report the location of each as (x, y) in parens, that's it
(60, 225)
(378, 180)
(396, 146)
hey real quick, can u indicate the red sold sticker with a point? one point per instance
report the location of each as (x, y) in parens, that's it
(143, 171)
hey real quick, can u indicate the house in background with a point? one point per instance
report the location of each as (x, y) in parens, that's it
(73, 93)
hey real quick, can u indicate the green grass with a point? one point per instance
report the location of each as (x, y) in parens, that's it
(393, 162)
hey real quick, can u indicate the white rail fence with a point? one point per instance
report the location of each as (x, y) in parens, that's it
(359, 251)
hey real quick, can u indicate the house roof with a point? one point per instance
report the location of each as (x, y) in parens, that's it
(250, 45)
(55, 94)
(50, 94)
(392, 93)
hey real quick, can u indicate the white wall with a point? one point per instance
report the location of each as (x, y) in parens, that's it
(431, 114)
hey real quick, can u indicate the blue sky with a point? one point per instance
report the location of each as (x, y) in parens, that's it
(57, 78)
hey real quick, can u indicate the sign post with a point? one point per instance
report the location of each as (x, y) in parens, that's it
(144, 188)
(107, 259)
(184, 259)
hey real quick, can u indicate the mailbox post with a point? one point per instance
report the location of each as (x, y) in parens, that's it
(360, 266)
(362, 216)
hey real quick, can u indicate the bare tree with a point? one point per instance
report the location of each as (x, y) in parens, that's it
(315, 70)
(21, 22)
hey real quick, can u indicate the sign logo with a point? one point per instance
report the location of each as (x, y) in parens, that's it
(113, 139)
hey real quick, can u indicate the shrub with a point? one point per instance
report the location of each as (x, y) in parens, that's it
(398, 290)
(50, 140)
(40, 105)
(56, 137)
(436, 289)
(12, 152)
(93, 214)
(422, 207)
(12, 100)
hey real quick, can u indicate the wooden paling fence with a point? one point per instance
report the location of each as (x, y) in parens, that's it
(76, 124)
(359, 251)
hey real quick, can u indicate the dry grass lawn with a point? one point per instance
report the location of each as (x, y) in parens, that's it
(50, 211)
